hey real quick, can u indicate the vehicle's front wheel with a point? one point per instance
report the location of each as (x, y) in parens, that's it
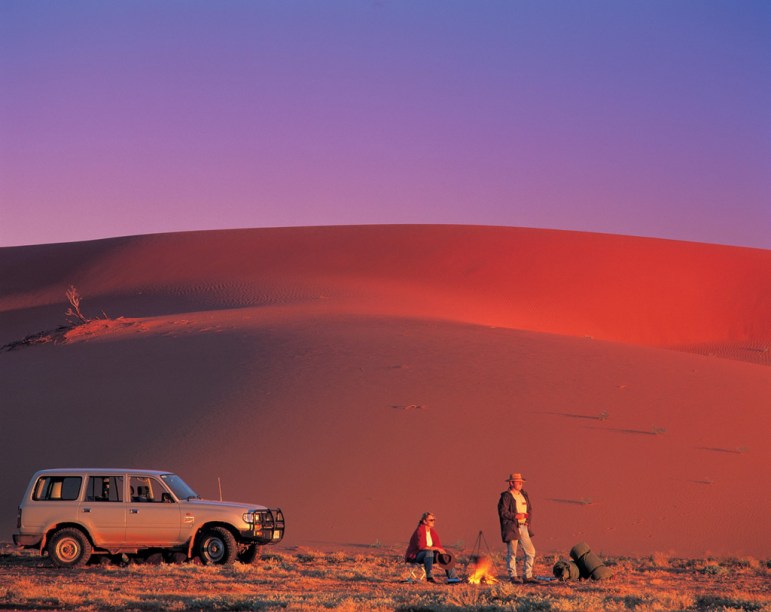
(249, 553)
(69, 548)
(217, 546)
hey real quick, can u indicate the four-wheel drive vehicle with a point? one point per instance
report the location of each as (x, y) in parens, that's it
(71, 514)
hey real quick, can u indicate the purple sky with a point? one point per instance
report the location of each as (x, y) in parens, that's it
(649, 118)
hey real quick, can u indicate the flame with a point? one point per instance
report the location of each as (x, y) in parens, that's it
(481, 572)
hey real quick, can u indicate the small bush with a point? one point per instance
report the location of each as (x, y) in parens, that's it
(73, 314)
(337, 558)
(749, 562)
(713, 570)
(659, 559)
(309, 556)
(716, 602)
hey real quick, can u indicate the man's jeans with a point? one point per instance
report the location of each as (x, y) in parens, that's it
(527, 548)
(426, 557)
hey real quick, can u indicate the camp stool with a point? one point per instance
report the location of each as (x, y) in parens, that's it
(416, 572)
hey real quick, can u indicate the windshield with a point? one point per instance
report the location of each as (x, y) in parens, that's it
(179, 487)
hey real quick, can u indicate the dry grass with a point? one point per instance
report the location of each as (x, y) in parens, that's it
(312, 580)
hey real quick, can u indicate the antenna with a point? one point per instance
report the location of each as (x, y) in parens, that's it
(219, 485)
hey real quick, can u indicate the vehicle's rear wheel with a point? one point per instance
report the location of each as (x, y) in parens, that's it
(249, 553)
(217, 546)
(69, 548)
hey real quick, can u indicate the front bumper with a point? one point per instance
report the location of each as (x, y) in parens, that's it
(267, 527)
(27, 540)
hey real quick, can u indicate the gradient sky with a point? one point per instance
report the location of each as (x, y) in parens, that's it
(649, 118)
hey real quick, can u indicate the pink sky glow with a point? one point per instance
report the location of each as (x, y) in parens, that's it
(643, 118)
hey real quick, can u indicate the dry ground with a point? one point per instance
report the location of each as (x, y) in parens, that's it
(374, 579)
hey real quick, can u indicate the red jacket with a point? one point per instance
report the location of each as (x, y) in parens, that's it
(419, 542)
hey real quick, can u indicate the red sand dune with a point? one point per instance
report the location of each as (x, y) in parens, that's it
(358, 376)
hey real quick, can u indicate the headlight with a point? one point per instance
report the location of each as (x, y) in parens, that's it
(254, 518)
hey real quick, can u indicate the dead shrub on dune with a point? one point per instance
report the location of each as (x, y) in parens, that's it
(73, 313)
(75, 318)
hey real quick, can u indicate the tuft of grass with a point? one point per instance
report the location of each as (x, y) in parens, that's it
(750, 562)
(719, 602)
(337, 558)
(660, 559)
(309, 556)
(714, 570)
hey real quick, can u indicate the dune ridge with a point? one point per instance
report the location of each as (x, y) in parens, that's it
(358, 376)
(624, 289)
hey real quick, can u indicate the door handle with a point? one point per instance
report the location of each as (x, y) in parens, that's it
(133, 511)
(86, 509)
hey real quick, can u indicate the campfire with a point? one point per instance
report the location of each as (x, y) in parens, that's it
(481, 564)
(479, 570)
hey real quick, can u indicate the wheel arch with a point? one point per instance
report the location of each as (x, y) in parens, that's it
(201, 529)
(64, 525)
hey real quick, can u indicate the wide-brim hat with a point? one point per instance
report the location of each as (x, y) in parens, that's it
(444, 560)
(515, 476)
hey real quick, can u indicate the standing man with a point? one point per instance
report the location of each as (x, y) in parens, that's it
(515, 513)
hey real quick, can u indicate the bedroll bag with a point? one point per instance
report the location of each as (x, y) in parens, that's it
(589, 564)
(566, 570)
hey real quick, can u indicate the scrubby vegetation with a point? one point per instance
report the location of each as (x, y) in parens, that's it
(73, 313)
(374, 579)
(78, 325)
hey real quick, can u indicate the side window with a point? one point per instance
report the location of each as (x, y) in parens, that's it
(105, 489)
(57, 488)
(145, 489)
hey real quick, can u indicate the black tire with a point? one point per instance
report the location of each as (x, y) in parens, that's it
(69, 548)
(249, 553)
(579, 550)
(217, 546)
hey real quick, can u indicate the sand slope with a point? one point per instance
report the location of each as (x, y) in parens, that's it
(358, 376)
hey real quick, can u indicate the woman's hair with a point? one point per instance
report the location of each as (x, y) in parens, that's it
(424, 516)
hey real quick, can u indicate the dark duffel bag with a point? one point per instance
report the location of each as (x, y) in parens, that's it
(566, 570)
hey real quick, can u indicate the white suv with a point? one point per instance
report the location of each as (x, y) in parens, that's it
(74, 513)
